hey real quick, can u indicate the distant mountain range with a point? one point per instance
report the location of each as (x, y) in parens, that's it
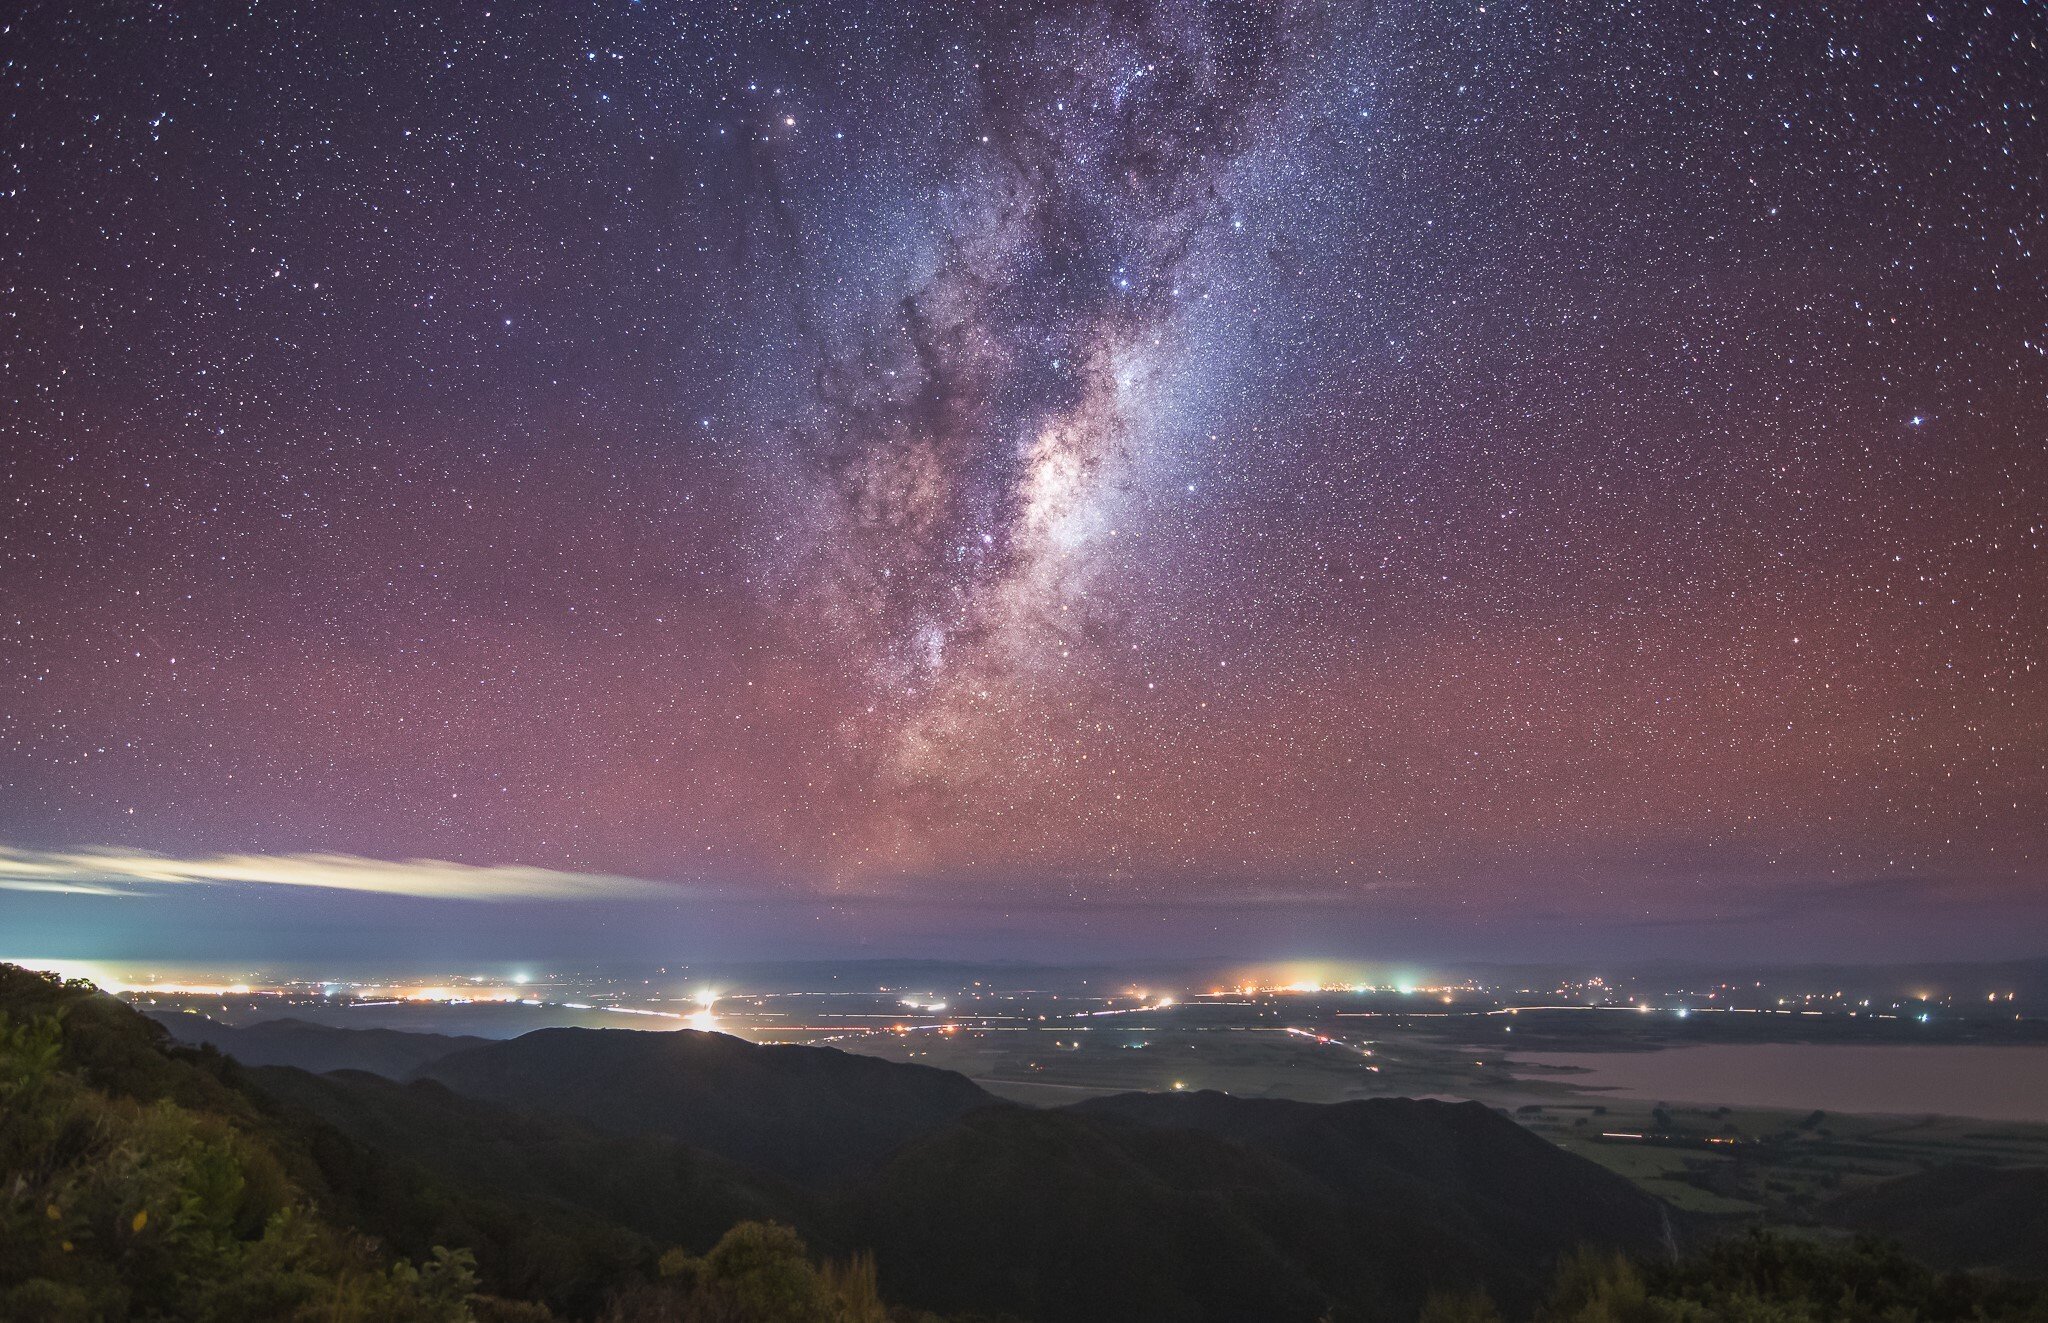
(317, 1047)
(1196, 1206)
(807, 1113)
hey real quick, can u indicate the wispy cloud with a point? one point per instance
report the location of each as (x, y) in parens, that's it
(109, 871)
(61, 886)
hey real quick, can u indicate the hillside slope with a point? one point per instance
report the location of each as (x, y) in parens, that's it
(1179, 1207)
(138, 1183)
(392, 1053)
(654, 1186)
(807, 1113)
(1168, 1207)
(140, 1180)
(1484, 1177)
(1960, 1217)
(1237, 1218)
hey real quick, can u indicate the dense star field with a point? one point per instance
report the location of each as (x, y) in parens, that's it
(1531, 458)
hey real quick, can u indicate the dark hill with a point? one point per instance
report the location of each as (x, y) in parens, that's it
(1194, 1207)
(1060, 1217)
(256, 1147)
(1960, 1217)
(1481, 1175)
(809, 1113)
(392, 1053)
(1178, 1208)
(650, 1185)
(1226, 1209)
(1075, 1214)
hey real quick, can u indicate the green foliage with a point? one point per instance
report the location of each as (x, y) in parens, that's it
(853, 1284)
(126, 1203)
(1761, 1278)
(142, 1181)
(1767, 1277)
(1460, 1307)
(758, 1272)
(1599, 1287)
(553, 1209)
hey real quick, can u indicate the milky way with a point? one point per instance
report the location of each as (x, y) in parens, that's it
(974, 448)
(1532, 462)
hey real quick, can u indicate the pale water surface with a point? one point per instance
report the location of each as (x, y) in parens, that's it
(1995, 1083)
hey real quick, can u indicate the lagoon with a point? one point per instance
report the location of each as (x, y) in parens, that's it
(1993, 1083)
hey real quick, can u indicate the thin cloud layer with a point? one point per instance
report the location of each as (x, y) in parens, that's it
(110, 871)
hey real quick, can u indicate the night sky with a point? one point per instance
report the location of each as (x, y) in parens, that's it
(1339, 470)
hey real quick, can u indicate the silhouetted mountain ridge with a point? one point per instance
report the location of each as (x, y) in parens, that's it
(392, 1053)
(1188, 1206)
(655, 1186)
(1191, 1207)
(1213, 1207)
(809, 1113)
(1180, 1207)
(180, 1182)
(1510, 1183)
